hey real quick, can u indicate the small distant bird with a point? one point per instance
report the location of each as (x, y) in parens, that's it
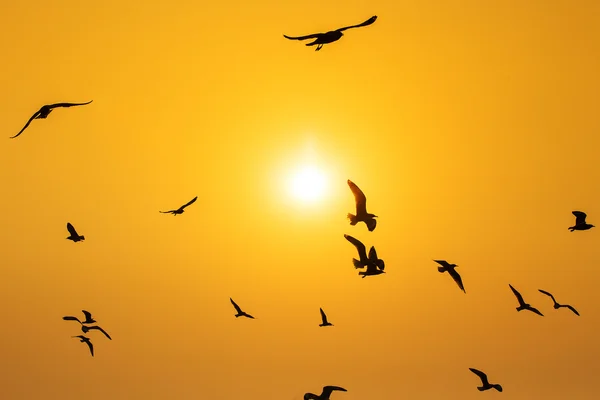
(580, 224)
(331, 36)
(363, 260)
(372, 269)
(86, 329)
(327, 390)
(324, 318)
(240, 313)
(88, 318)
(86, 341)
(522, 304)
(361, 209)
(557, 305)
(450, 268)
(180, 209)
(43, 112)
(485, 382)
(75, 237)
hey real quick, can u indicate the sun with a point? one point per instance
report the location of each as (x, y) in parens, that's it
(308, 184)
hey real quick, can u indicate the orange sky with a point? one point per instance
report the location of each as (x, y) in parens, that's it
(471, 126)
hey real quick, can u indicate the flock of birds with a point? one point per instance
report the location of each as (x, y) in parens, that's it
(371, 263)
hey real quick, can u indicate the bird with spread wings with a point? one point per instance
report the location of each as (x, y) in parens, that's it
(331, 36)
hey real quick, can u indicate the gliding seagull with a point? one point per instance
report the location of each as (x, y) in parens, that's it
(450, 268)
(484, 380)
(180, 209)
(240, 313)
(324, 318)
(522, 304)
(557, 305)
(331, 36)
(361, 209)
(43, 113)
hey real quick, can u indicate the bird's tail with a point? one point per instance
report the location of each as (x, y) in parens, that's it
(480, 388)
(441, 269)
(357, 263)
(571, 228)
(352, 218)
(497, 387)
(82, 238)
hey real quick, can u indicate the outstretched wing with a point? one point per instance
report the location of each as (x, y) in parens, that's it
(88, 315)
(27, 124)
(68, 104)
(328, 389)
(91, 346)
(69, 318)
(367, 22)
(359, 198)
(314, 35)
(323, 316)
(362, 250)
(572, 309)
(167, 212)
(188, 203)
(579, 217)
(101, 330)
(456, 276)
(517, 294)
(536, 311)
(71, 229)
(373, 256)
(443, 263)
(547, 294)
(237, 308)
(481, 376)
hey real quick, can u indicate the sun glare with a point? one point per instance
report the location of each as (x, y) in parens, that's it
(308, 184)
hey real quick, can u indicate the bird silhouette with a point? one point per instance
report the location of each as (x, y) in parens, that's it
(86, 329)
(180, 209)
(450, 268)
(331, 36)
(373, 259)
(361, 209)
(363, 260)
(43, 112)
(557, 305)
(484, 380)
(522, 304)
(327, 390)
(324, 318)
(87, 341)
(88, 318)
(75, 237)
(240, 313)
(372, 269)
(580, 224)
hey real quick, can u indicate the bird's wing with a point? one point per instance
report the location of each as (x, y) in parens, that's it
(71, 229)
(323, 316)
(188, 203)
(238, 309)
(367, 22)
(328, 389)
(535, 310)
(249, 316)
(69, 318)
(88, 315)
(481, 376)
(373, 254)
(517, 294)
(359, 198)
(362, 250)
(572, 309)
(456, 276)
(314, 35)
(68, 104)
(547, 294)
(167, 212)
(27, 124)
(101, 330)
(443, 263)
(579, 217)
(91, 346)
(311, 396)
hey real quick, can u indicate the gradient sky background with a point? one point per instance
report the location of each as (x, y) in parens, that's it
(471, 126)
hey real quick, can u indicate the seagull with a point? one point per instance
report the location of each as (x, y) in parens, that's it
(372, 269)
(43, 112)
(522, 304)
(361, 209)
(362, 252)
(86, 329)
(240, 313)
(485, 382)
(74, 235)
(86, 341)
(331, 36)
(180, 209)
(324, 394)
(557, 305)
(324, 318)
(450, 268)
(580, 224)
(88, 318)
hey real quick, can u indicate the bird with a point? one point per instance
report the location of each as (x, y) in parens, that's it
(87, 341)
(580, 224)
(361, 209)
(484, 380)
(88, 318)
(331, 36)
(363, 260)
(43, 113)
(86, 329)
(379, 263)
(75, 237)
(324, 318)
(327, 390)
(522, 304)
(240, 313)
(557, 305)
(450, 268)
(372, 269)
(180, 209)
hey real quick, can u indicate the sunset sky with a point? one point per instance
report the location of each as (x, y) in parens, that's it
(472, 127)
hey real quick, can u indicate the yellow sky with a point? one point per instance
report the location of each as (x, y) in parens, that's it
(472, 127)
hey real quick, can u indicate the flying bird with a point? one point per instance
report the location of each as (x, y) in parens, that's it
(361, 209)
(324, 318)
(86, 341)
(372, 269)
(180, 209)
(580, 224)
(88, 318)
(484, 380)
(75, 237)
(522, 304)
(363, 260)
(86, 329)
(43, 112)
(240, 313)
(327, 390)
(331, 36)
(450, 268)
(557, 305)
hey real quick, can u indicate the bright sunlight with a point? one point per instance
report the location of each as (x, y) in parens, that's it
(308, 184)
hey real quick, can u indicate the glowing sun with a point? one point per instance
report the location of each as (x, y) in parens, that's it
(308, 184)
